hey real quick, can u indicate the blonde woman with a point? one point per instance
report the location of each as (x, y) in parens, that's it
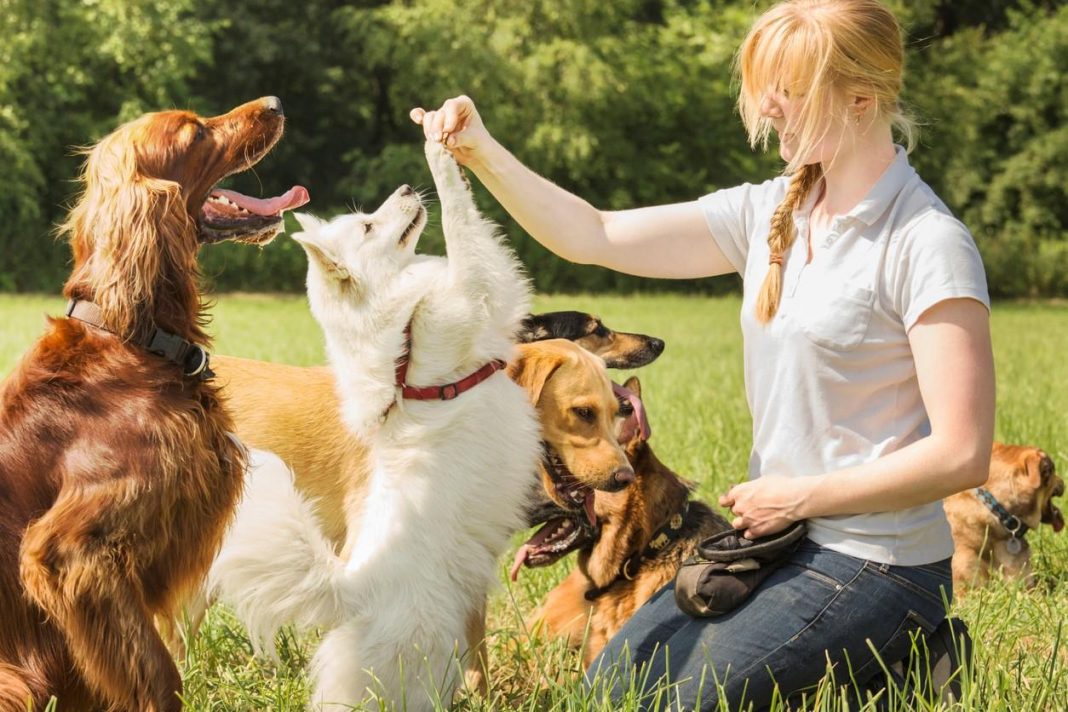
(868, 362)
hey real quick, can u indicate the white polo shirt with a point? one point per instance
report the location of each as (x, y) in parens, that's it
(831, 381)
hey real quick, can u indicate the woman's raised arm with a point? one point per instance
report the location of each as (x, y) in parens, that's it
(668, 241)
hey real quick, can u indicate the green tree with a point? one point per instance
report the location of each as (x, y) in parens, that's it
(69, 71)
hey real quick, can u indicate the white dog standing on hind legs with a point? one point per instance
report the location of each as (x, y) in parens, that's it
(451, 465)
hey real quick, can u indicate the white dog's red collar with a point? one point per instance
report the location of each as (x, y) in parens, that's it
(445, 392)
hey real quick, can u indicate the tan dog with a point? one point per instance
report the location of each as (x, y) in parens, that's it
(294, 412)
(643, 534)
(1023, 481)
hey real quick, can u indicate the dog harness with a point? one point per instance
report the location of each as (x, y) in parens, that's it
(444, 392)
(1013, 524)
(193, 358)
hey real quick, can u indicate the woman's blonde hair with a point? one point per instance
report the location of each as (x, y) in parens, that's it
(820, 52)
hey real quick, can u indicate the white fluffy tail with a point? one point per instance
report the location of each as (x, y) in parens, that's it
(275, 566)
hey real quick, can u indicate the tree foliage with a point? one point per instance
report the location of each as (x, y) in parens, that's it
(627, 103)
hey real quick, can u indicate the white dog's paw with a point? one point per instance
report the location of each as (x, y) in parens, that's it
(446, 171)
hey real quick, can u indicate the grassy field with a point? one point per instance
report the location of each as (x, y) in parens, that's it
(698, 413)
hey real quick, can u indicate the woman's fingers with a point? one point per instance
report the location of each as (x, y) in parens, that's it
(453, 117)
(456, 125)
(456, 111)
(728, 499)
(426, 119)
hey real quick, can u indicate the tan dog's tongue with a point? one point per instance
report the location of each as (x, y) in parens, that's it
(588, 505)
(637, 425)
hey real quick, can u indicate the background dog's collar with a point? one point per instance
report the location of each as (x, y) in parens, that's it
(1013, 524)
(193, 358)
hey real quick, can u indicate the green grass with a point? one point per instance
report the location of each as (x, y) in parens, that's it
(701, 429)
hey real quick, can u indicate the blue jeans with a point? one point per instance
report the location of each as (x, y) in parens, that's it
(821, 608)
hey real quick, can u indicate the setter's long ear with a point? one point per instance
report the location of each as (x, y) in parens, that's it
(534, 366)
(132, 238)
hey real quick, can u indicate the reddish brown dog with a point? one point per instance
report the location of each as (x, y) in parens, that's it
(117, 476)
(1024, 482)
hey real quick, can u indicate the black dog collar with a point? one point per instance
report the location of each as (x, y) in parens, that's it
(1013, 524)
(193, 358)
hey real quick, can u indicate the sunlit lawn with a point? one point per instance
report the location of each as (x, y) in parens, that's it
(698, 413)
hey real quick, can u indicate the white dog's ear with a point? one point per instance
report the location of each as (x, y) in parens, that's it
(309, 222)
(322, 255)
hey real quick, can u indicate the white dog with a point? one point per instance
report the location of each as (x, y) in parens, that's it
(449, 476)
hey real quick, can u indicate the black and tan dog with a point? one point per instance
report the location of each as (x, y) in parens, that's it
(635, 546)
(618, 349)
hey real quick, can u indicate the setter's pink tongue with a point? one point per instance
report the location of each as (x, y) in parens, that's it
(292, 199)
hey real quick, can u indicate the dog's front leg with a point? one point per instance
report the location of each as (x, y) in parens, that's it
(84, 583)
(478, 264)
(476, 662)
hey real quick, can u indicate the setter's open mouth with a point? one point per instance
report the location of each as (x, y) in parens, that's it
(229, 215)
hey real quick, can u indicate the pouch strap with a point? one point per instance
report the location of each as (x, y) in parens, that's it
(730, 545)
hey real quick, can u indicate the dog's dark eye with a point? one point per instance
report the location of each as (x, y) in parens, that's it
(626, 409)
(585, 414)
(367, 228)
(199, 135)
(601, 330)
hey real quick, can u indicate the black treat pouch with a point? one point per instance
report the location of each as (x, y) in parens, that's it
(727, 567)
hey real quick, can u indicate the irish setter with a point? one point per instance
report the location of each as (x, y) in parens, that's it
(117, 476)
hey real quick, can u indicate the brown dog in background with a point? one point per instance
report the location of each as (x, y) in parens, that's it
(117, 473)
(641, 537)
(1024, 482)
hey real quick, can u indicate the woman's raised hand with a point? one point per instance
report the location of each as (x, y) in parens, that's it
(457, 125)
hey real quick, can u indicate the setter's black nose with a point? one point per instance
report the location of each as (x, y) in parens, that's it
(273, 105)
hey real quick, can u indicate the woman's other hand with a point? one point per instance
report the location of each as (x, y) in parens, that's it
(457, 125)
(767, 504)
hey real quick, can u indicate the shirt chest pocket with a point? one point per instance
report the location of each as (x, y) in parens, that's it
(836, 315)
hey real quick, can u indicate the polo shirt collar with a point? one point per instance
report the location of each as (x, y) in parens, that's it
(875, 203)
(885, 190)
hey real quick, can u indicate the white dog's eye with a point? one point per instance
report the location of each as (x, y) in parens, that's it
(367, 228)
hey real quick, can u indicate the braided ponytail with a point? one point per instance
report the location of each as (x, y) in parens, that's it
(781, 237)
